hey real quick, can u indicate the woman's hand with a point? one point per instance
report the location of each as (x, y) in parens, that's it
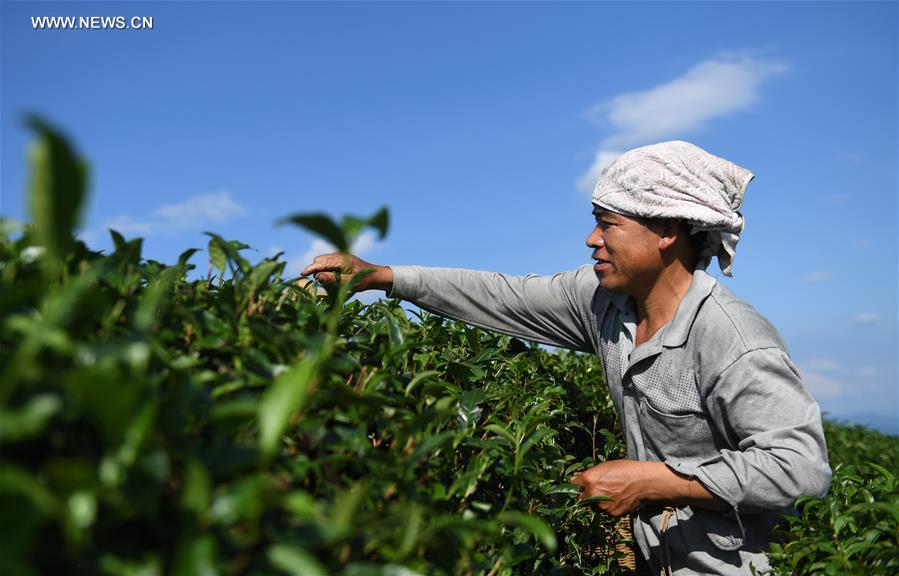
(325, 268)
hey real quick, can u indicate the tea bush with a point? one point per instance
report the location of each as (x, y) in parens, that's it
(855, 530)
(243, 424)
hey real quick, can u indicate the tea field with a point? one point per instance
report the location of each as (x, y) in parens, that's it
(243, 424)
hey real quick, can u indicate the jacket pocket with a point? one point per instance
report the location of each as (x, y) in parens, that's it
(720, 528)
(675, 436)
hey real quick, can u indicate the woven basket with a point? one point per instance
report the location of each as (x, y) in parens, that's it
(623, 549)
(625, 530)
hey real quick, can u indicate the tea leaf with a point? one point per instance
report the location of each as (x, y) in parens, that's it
(58, 186)
(321, 225)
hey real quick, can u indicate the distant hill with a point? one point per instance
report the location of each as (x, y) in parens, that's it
(883, 423)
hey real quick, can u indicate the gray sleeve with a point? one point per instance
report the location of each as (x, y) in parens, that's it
(555, 310)
(760, 403)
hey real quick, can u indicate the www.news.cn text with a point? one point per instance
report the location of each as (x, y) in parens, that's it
(92, 22)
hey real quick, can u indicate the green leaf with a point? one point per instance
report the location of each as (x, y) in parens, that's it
(195, 556)
(114, 467)
(343, 512)
(497, 429)
(284, 397)
(186, 255)
(105, 397)
(595, 499)
(470, 407)
(411, 532)
(154, 296)
(81, 511)
(322, 225)
(196, 494)
(217, 253)
(14, 480)
(380, 221)
(536, 526)
(118, 241)
(419, 378)
(295, 561)
(30, 420)
(352, 226)
(58, 186)
(260, 274)
(396, 335)
(532, 441)
(431, 444)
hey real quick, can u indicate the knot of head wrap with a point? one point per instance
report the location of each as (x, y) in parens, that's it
(682, 181)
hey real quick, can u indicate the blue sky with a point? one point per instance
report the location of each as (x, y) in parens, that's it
(482, 127)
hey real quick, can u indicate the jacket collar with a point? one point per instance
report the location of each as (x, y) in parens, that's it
(676, 331)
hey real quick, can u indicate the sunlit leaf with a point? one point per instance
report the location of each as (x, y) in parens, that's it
(284, 397)
(295, 561)
(536, 526)
(58, 187)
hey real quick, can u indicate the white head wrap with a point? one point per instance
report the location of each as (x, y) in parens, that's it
(680, 180)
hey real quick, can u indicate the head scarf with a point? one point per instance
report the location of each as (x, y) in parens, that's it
(682, 181)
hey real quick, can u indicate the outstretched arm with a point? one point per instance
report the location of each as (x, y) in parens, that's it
(556, 310)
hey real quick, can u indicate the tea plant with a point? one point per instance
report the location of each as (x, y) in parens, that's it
(244, 424)
(855, 530)
(241, 424)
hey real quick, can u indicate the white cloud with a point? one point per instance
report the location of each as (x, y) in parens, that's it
(128, 226)
(194, 213)
(822, 385)
(816, 277)
(603, 158)
(823, 377)
(823, 364)
(866, 318)
(197, 211)
(868, 372)
(711, 89)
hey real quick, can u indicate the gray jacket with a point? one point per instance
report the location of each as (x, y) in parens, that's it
(713, 394)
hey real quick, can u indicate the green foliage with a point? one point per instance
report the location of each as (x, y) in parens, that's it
(244, 425)
(855, 530)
